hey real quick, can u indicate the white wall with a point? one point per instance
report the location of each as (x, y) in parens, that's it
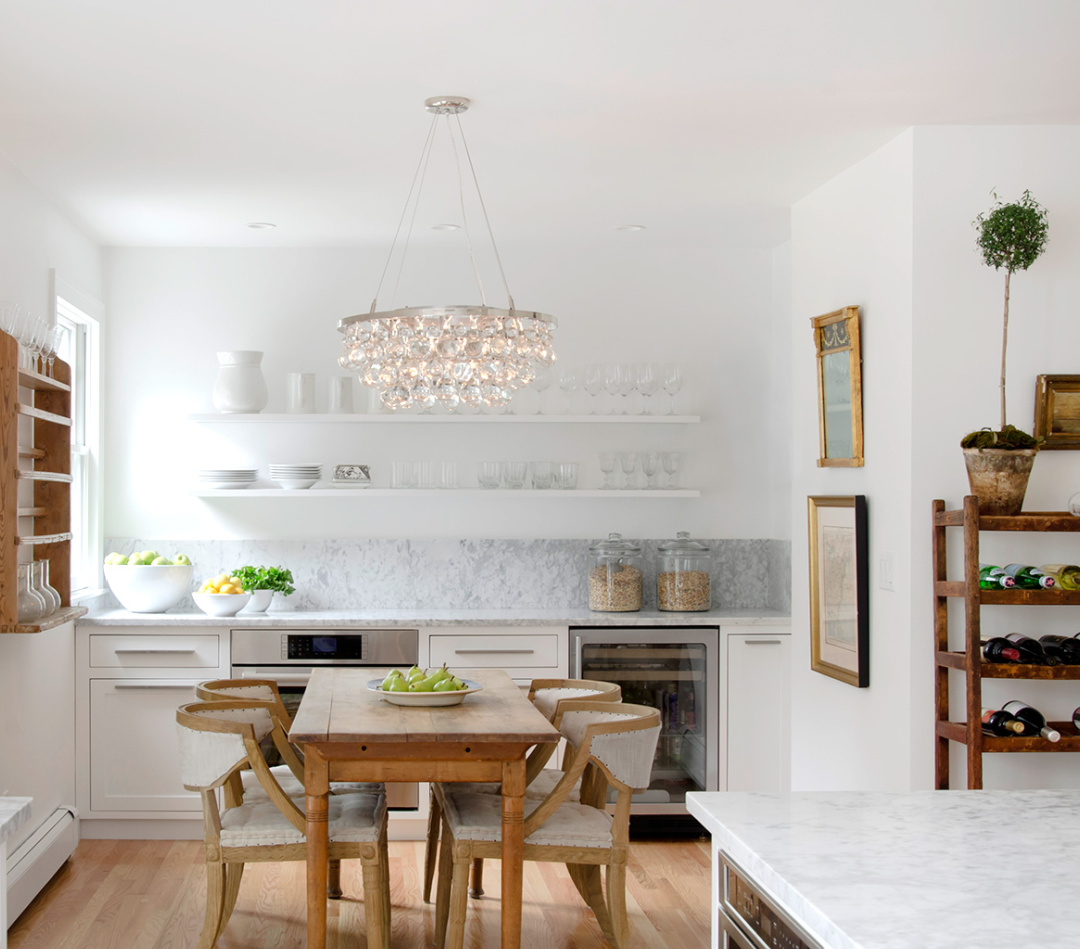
(171, 310)
(851, 244)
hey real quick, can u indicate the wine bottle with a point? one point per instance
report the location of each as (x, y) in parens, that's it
(1028, 577)
(1066, 575)
(1002, 723)
(1000, 649)
(994, 578)
(1031, 717)
(1031, 650)
(1067, 648)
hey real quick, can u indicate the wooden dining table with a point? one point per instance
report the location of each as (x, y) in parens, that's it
(350, 733)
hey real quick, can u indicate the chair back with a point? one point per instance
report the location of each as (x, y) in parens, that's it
(621, 739)
(212, 738)
(548, 694)
(262, 690)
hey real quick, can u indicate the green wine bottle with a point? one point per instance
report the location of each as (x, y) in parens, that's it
(1028, 577)
(994, 578)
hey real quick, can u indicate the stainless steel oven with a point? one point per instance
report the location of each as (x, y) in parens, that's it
(675, 670)
(288, 656)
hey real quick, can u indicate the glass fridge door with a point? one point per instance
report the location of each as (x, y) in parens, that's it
(671, 675)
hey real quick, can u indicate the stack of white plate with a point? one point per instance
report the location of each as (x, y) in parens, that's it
(292, 477)
(227, 477)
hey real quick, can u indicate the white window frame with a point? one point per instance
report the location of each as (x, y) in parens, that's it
(83, 315)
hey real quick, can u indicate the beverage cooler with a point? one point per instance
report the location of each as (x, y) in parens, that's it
(675, 670)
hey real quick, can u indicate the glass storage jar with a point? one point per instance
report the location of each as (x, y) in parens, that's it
(683, 575)
(615, 576)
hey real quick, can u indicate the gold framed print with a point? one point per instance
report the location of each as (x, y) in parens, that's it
(839, 589)
(839, 381)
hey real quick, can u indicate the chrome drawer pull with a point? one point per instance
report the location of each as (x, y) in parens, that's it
(150, 685)
(494, 652)
(762, 642)
(154, 652)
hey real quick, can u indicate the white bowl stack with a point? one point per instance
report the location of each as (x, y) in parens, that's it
(227, 477)
(295, 477)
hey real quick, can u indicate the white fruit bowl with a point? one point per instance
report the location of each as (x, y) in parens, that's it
(221, 604)
(149, 589)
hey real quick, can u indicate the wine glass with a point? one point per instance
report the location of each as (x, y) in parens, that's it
(36, 344)
(568, 382)
(594, 384)
(628, 463)
(672, 382)
(627, 383)
(607, 467)
(672, 462)
(611, 384)
(648, 384)
(540, 384)
(650, 466)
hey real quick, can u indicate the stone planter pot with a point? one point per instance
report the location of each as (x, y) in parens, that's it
(999, 477)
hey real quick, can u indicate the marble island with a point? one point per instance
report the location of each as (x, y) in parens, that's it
(917, 870)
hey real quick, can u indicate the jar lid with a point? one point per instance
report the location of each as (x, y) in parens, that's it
(615, 545)
(683, 544)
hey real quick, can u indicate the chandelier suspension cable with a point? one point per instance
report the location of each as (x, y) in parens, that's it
(419, 174)
(483, 208)
(461, 203)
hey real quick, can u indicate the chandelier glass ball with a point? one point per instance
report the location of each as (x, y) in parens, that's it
(421, 357)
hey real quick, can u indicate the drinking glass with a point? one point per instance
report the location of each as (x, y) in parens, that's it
(487, 474)
(607, 467)
(650, 466)
(611, 384)
(628, 461)
(648, 384)
(448, 474)
(53, 343)
(566, 475)
(429, 474)
(540, 384)
(36, 344)
(568, 382)
(627, 385)
(513, 473)
(543, 473)
(403, 474)
(594, 384)
(672, 462)
(672, 382)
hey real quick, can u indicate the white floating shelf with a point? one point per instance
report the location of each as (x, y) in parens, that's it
(342, 493)
(387, 419)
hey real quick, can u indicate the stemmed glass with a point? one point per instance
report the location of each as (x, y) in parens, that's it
(650, 465)
(611, 384)
(54, 338)
(672, 381)
(672, 462)
(540, 384)
(36, 343)
(568, 382)
(594, 384)
(607, 468)
(628, 463)
(627, 383)
(648, 384)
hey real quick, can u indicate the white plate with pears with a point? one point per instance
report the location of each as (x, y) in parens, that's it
(428, 699)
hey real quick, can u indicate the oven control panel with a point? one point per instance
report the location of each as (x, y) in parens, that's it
(746, 905)
(330, 645)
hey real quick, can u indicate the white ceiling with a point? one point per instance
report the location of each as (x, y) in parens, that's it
(160, 122)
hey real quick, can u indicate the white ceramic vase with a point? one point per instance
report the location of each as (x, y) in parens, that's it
(239, 386)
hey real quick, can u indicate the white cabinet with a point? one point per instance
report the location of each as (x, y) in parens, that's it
(129, 683)
(525, 652)
(756, 670)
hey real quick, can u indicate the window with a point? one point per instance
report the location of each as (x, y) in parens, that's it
(81, 350)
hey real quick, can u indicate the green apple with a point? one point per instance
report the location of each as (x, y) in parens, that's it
(161, 562)
(147, 556)
(112, 558)
(136, 560)
(181, 560)
(120, 560)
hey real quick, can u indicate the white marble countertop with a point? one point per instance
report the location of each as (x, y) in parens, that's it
(917, 870)
(14, 812)
(329, 619)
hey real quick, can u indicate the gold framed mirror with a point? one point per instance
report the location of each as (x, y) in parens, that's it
(839, 379)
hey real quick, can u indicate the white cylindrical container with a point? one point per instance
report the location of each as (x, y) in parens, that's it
(300, 393)
(239, 386)
(339, 396)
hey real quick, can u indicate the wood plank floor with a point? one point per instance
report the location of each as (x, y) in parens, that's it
(150, 894)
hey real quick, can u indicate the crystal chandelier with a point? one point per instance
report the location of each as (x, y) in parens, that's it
(426, 356)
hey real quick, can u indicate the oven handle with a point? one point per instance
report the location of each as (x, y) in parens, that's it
(282, 678)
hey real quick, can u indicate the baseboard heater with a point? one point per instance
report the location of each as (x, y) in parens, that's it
(36, 860)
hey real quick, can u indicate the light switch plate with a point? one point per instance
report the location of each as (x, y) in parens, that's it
(885, 571)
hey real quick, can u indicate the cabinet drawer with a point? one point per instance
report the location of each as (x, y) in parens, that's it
(111, 651)
(526, 651)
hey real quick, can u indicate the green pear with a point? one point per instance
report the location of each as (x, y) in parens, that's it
(398, 684)
(391, 676)
(445, 685)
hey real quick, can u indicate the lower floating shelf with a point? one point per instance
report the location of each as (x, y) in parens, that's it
(1070, 739)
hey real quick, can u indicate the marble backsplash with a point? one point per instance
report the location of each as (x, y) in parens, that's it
(467, 574)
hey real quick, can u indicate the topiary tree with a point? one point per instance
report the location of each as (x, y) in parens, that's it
(1010, 236)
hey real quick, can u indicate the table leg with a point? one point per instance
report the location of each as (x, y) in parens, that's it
(513, 847)
(317, 785)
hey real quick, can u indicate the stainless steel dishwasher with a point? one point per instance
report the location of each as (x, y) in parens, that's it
(288, 656)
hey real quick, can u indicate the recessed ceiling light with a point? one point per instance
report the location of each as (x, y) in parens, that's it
(446, 227)
(629, 227)
(261, 225)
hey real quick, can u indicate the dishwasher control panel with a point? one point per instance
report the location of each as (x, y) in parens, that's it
(744, 904)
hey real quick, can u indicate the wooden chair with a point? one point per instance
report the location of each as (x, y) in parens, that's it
(607, 744)
(546, 695)
(219, 739)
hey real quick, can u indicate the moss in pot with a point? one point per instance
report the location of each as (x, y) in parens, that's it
(999, 463)
(262, 583)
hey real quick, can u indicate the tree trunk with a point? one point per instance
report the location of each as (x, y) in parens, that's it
(1004, 341)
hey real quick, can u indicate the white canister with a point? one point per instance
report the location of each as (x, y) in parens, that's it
(300, 392)
(339, 396)
(239, 386)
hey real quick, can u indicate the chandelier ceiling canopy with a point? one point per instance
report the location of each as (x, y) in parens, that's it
(450, 356)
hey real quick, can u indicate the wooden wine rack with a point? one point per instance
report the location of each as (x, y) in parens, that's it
(969, 661)
(46, 465)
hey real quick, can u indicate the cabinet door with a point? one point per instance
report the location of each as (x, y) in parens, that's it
(758, 723)
(134, 758)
